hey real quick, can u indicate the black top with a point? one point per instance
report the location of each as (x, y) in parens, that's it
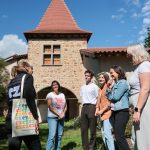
(14, 91)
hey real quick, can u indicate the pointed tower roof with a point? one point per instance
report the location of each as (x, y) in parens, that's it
(57, 20)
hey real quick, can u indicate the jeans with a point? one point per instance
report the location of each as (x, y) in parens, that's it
(107, 135)
(55, 133)
(88, 120)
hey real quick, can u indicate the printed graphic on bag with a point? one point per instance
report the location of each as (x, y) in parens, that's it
(24, 118)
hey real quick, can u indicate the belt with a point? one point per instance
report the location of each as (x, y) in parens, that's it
(86, 104)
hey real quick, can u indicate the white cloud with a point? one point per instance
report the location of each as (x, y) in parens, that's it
(143, 31)
(135, 2)
(122, 10)
(116, 17)
(136, 15)
(141, 38)
(146, 7)
(146, 21)
(10, 44)
(146, 14)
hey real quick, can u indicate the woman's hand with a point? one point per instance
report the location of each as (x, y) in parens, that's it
(136, 117)
(61, 115)
(98, 112)
(110, 83)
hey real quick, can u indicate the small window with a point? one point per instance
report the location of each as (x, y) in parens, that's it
(56, 49)
(47, 49)
(56, 59)
(47, 59)
(52, 55)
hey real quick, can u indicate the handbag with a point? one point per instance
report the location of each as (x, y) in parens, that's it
(23, 122)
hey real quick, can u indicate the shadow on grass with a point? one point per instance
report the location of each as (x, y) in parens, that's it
(3, 132)
(69, 146)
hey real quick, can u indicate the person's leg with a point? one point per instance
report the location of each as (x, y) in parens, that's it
(92, 125)
(84, 128)
(103, 136)
(121, 120)
(32, 142)
(109, 140)
(14, 143)
(52, 124)
(59, 134)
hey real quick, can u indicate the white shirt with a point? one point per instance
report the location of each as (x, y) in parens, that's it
(89, 93)
(134, 80)
(58, 102)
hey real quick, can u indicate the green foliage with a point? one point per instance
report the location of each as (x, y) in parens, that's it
(147, 39)
(2, 92)
(4, 77)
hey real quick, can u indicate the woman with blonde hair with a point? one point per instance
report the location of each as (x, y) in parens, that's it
(14, 92)
(140, 95)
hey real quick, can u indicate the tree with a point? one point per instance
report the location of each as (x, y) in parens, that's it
(4, 77)
(147, 39)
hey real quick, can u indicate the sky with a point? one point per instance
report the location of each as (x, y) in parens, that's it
(114, 23)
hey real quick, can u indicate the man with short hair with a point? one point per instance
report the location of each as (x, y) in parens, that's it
(89, 94)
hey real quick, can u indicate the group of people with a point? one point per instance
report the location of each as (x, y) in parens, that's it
(111, 100)
(114, 101)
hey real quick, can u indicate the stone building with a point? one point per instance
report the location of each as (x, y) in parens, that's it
(57, 50)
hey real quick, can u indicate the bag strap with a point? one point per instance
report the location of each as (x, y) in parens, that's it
(22, 85)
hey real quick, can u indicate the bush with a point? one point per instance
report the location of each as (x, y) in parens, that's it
(2, 92)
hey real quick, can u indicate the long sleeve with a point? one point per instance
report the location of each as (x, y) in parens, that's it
(29, 94)
(118, 91)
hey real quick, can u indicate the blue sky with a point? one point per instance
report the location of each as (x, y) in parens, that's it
(114, 23)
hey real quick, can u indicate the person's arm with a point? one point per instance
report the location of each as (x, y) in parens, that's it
(29, 94)
(143, 95)
(106, 108)
(51, 108)
(62, 115)
(117, 91)
(98, 103)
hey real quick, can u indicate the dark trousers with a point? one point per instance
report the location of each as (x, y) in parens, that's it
(88, 120)
(32, 142)
(119, 121)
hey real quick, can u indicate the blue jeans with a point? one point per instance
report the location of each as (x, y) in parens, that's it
(107, 135)
(55, 133)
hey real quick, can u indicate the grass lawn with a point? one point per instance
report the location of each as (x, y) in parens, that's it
(71, 139)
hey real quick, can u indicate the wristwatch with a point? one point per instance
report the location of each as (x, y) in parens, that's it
(136, 109)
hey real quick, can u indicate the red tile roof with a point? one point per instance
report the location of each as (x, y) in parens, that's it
(57, 19)
(16, 57)
(106, 50)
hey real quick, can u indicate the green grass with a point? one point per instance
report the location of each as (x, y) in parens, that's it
(71, 139)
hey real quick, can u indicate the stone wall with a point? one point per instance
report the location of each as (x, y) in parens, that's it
(70, 73)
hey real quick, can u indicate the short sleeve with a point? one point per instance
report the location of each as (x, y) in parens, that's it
(64, 96)
(49, 95)
(144, 67)
(81, 92)
(96, 90)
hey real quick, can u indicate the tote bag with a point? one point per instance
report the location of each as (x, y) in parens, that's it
(23, 122)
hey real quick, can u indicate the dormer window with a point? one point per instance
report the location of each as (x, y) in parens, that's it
(52, 55)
